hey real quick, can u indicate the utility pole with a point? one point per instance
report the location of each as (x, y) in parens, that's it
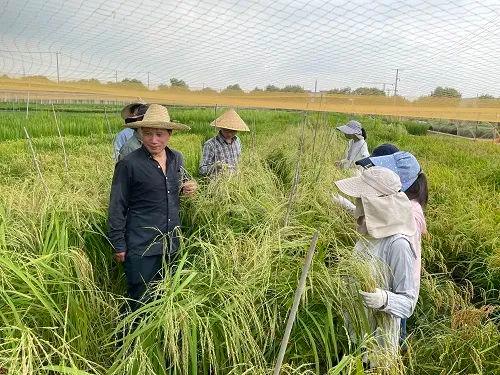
(148, 80)
(57, 64)
(116, 76)
(315, 86)
(396, 83)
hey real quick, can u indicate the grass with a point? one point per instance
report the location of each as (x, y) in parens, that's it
(245, 237)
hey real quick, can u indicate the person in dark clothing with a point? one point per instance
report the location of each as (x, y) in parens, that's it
(384, 149)
(144, 220)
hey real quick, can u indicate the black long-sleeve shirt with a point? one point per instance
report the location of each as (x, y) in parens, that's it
(144, 203)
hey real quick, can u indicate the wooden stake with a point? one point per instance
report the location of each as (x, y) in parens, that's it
(296, 177)
(61, 139)
(295, 306)
(107, 122)
(35, 160)
(27, 105)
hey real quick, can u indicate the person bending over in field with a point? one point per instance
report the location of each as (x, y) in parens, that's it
(130, 113)
(357, 147)
(385, 221)
(144, 203)
(223, 151)
(414, 185)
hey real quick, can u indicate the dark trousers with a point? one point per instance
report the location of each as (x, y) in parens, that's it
(141, 271)
(402, 334)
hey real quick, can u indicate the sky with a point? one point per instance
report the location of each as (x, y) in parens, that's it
(214, 43)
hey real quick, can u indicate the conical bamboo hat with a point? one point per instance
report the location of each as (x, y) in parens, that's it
(157, 117)
(230, 120)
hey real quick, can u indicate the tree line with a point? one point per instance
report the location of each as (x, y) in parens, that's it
(175, 83)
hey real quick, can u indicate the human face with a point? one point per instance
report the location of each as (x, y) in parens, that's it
(155, 140)
(228, 134)
(351, 136)
(359, 214)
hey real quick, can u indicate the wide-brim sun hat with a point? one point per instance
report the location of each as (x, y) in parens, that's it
(353, 127)
(403, 163)
(157, 117)
(138, 113)
(373, 182)
(387, 210)
(230, 120)
(129, 109)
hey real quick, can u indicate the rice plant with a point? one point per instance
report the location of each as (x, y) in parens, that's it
(224, 307)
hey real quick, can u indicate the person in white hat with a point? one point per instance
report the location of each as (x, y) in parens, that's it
(414, 185)
(144, 203)
(130, 113)
(223, 151)
(357, 147)
(385, 221)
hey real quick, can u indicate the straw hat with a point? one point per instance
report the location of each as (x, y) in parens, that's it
(230, 120)
(128, 110)
(157, 117)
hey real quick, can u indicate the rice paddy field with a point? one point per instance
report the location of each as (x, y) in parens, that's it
(245, 237)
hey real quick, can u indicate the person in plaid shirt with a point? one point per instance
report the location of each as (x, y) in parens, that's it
(222, 152)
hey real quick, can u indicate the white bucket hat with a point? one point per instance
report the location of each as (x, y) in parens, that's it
(353, 127)
(230, 120)
(387, 210)
(157, 117)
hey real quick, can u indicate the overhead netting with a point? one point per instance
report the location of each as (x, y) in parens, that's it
(100, 50)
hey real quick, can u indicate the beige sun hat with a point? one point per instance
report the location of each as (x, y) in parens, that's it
(373, 182)
(157, 117)
(230, 120)
(387, 210)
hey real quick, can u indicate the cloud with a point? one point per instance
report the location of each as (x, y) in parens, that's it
(219, 42)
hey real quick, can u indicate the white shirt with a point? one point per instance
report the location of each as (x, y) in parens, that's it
(394, 259)
(356, 150)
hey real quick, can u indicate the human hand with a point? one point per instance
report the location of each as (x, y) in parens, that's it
(375, 300)
(220, 165)
(344, 164)
(189, 188)
(120, 256)
(343, 202)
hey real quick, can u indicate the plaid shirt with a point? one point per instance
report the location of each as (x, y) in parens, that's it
(216, 150)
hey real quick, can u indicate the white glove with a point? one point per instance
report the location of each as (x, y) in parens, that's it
(343, 202)
(375, 300)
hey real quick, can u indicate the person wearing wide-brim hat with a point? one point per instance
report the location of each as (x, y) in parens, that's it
(357, 147)
(223, 151)
(144, 203)
(130, 113)
(385, 221)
